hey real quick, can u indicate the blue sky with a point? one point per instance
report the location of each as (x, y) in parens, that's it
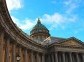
(64, 18)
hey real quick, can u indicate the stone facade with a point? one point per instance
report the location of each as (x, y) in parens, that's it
(15, 46)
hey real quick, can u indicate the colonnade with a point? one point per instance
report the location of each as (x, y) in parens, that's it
(10, 51)
(66, 57)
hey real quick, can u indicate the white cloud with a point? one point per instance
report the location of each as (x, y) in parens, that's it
(71, 5)
(58, 19)
(26, 24)
(14, 4)
(55, 20)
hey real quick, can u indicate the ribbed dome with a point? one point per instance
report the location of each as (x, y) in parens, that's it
(39, 28)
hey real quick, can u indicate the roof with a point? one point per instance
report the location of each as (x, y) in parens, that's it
(51, 40)
(54, 40)
(38, 27)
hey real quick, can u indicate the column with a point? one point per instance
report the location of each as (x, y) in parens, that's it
(32, 56)
(56, 57)
(20, 53)
(7, 51)
(52, 56)
(49, 58)
(14, 54)
(83, 57)
(1, 47)
(38, 58)
(70, 56)
(63, 56)
(77, 57)
(43, 57)
(26, 55)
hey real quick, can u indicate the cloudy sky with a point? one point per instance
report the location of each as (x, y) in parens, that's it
(64, 18)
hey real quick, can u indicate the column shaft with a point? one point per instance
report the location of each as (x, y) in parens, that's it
(20, 53)
(26, 60)
(14, 53)
(49, 58)
(43, 58)
(1, 47)
(77, 57)
(7, 51)
(56, 57)
(70, 56)
(52, 56)
(32, 56)
(38, 58)
(83, 57)
(63, 56)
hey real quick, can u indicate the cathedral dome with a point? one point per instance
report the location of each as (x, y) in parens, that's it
(39, 28)
(39, 32)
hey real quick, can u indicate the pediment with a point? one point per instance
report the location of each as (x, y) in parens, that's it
(72, 42)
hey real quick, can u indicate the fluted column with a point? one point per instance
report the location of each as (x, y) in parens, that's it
(56, 57)
(14, 53)
(70, 56)
(77, 57)
(63, 56)
(43, 57)
(52, 57)
(26, 60)
(7, 51)
(1, 47)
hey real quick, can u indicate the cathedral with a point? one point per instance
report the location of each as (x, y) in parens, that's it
(39, 46)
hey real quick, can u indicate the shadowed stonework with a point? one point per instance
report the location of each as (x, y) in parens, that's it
(40, 46)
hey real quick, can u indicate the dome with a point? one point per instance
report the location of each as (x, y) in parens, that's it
(39, 28)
